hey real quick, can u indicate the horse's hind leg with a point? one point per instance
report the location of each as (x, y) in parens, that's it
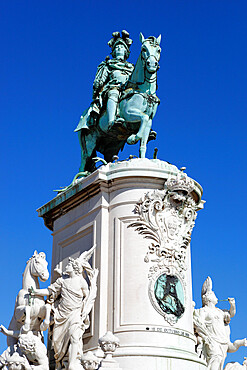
(112, 149)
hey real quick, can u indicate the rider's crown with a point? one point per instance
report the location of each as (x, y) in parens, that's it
(118, 39)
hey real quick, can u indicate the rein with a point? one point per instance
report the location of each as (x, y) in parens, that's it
(38, 267)
(151, 79)
(146, 78)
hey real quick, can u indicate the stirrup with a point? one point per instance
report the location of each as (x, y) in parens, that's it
(119, 120)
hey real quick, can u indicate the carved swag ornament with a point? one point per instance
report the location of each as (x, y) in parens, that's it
(167, 218)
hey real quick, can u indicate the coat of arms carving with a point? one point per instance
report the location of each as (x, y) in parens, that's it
(167, 218)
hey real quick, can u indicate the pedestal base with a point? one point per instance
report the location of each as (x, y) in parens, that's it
(159, 363)
(102, 210)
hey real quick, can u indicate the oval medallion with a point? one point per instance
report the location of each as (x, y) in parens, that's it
(169, 295)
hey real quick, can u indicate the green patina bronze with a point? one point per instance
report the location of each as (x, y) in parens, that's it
(79, 175)
(124, 101)
(169, 294)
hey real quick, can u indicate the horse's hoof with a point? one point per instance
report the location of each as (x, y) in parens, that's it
(25, 328)
(44, 326)
(132, 139)
(152, 135)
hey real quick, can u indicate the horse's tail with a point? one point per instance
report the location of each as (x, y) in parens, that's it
(88, 142)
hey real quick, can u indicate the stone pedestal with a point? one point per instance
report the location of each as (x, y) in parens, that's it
(141, 248)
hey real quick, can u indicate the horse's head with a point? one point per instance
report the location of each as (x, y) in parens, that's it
(150, 52)
(38, 266)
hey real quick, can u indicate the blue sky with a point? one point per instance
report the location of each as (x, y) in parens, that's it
(50, 52)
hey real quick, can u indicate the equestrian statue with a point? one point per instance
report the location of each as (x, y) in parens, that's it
(124, 102)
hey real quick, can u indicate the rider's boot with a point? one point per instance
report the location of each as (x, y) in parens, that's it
(111, 107)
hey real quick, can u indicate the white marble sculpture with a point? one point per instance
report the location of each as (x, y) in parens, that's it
(30, 346)
(236, 365)
(34, 350)
(71, 311)
(31, 316)
(212, 329)
(13, 359)
(109, 343)
(30, 311)
(90, 361)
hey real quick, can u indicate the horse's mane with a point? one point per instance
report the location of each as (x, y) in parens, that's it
(137, 76)
(27, 265)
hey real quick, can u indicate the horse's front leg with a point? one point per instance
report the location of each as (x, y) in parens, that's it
(144, 139)
(144, 118)
(45, 312)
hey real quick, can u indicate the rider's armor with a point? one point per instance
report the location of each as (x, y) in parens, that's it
(111, 76)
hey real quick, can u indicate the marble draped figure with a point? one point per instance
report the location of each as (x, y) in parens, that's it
(71, 313)
(212, 329)
(71, 299)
